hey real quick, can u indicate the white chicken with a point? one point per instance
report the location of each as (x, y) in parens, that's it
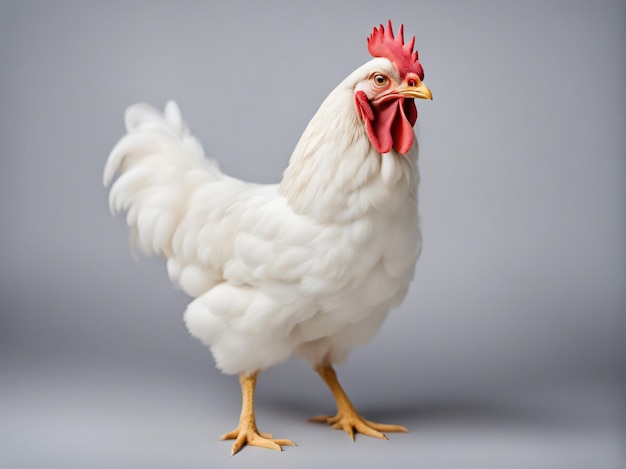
(310, 266)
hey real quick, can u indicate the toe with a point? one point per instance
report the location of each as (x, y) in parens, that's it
(319, 418)
(383, 427)
(264, 443)
(238, 444)
(369, 431)
(230, 435)
(352, 423)
(284, 442)
(252, 437)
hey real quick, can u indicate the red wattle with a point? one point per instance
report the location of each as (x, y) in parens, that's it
(389, 123)
(363, 106)
(402, 128)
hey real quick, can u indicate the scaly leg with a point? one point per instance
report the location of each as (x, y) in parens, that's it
(347, 417)
(247, 433)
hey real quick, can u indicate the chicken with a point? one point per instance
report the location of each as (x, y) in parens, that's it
(308, 267)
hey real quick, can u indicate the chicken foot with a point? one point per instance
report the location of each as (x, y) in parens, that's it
(347, 418)
(247, 433)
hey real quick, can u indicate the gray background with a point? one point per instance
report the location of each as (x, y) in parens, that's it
(508, 350)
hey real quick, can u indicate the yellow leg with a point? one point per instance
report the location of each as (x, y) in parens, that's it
(247, 433)
(347, 418)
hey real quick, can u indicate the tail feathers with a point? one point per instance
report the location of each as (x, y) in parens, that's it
(144, 120)
(145, 116)
(160, 164)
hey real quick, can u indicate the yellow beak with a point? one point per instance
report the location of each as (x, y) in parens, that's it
(420, 91)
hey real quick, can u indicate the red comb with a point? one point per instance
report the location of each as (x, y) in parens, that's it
(383, 44)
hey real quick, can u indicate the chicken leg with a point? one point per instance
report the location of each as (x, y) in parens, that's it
(247, 433)
(347, 417)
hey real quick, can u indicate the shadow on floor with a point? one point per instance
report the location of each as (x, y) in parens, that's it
(430, 412)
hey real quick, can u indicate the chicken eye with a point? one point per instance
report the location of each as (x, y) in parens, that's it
(380, 80)
(412, 83)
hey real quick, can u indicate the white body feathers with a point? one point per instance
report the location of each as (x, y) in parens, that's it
(311, 266)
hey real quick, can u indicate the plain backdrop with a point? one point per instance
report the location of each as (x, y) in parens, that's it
(508, 350)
